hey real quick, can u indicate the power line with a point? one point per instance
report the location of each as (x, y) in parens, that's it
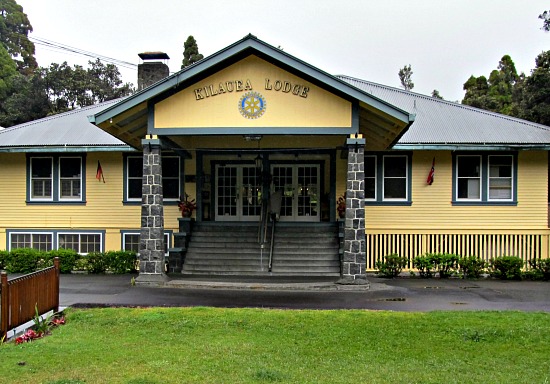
(60, 47)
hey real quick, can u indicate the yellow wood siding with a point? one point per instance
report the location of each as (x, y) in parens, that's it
(432, 209)
(104, 209)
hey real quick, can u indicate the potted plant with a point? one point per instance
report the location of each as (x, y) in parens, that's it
(341, 206)
(186, 206)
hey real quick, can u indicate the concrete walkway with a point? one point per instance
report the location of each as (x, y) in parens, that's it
(402, 294)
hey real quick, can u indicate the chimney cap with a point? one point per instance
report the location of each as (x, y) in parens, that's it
(153, 56)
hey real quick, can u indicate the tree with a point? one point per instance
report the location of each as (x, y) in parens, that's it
(14, 31)
(496, 93)
(436, 95)
(405, 74)
(533, 93)
(190, 52)
(545, 17)
(106, 83)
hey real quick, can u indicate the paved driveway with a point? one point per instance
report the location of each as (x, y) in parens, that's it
(403, 294)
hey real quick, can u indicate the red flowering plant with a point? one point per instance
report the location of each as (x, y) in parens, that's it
(341, 206)
(187, 206)
(42, 327)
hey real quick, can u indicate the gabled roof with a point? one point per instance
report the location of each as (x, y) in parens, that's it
(387, 119)
(443, 124)
(69, 131)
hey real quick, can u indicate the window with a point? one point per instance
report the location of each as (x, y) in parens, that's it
(483, 178)
(47, 240)
(56, 179)
(130, 241)
(387, 178)
(171, 177)
(39, 241)
(82, 243)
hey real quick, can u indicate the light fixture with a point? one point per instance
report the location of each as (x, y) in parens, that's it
(252, 137)
(258, 160)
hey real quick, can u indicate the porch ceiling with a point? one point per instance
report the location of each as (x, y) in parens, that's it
(380, 130)
(129, 126)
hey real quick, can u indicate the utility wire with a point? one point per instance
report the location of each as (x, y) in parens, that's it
(54, 46)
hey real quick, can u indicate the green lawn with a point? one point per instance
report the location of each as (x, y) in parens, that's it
(209, 345)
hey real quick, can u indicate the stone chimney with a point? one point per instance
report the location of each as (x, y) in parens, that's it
(149, 72)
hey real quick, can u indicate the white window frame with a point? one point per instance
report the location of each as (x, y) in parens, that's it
(510, 178)
(32, 234)
(32, 179)
(406, 177)
(80, 234)
(375, 178)
(480, 178)
(71, 179)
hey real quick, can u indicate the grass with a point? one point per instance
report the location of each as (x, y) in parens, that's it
(209, 345)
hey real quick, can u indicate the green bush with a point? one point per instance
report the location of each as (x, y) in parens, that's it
(540, 269)
(23, 260)
(67, 259)
(445, 264)
(97, 262)
(506, 267)
(120, 262)
(471, 267)
(425, 266)
(3, 258)
(392, 266)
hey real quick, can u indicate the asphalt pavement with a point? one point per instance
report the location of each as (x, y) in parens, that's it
(400, 294)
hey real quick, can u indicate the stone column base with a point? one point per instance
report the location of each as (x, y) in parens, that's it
(159, 279)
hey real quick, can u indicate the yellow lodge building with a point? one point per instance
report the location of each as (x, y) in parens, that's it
(281, 169)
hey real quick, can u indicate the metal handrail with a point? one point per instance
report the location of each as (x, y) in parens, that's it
(271, 241)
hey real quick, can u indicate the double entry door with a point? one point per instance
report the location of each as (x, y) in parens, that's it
(239, 191)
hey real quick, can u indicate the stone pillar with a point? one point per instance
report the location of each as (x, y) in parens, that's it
(151, 243)
(354, 259)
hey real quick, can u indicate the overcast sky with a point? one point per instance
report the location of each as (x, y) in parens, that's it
(445, 41)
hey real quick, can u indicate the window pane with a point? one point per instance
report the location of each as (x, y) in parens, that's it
(170, 167)
(131, 242)
(500, 177)
(135, 167)
(395, 188)
(42, 241)
(469, 189)
(370, 188)
(41, 188)
(170, 188)
(370, 166)
(69, 167)
(134, 188)
(468, 166)
(20, 240)
(69, 241)
(41, 167)
(395, 166)
(90, 243)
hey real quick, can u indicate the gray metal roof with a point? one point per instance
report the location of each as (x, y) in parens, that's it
(66, 130)
(443, 123)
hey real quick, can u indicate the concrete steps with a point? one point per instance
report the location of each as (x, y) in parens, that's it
(300, 249)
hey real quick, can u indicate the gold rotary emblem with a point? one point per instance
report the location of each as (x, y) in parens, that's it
(252, 105)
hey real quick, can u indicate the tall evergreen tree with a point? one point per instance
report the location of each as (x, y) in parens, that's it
(190, 52)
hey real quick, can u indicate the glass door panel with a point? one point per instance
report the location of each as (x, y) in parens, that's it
(238, 193)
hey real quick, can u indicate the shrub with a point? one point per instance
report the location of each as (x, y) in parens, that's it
(425, 265)
(392, 266)
(471, 266)
(540, 269)
(97, 262)
(3, 259)
(445, 264)
(120, 262)
(67, 259)
(506, 267)
(23, 260)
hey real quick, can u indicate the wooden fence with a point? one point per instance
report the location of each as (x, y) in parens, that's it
(484, 246)
(21, 296)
